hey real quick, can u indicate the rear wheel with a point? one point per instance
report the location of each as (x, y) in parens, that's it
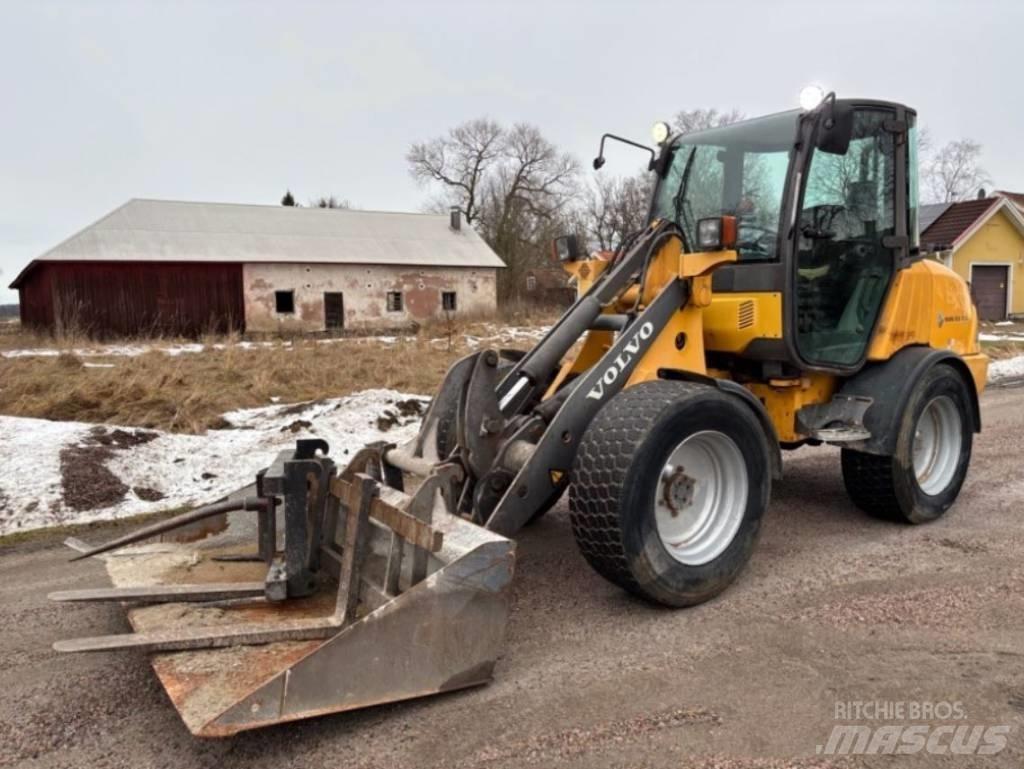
(933, 450)
(668, 490)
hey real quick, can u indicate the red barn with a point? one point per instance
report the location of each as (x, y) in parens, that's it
(181, 268)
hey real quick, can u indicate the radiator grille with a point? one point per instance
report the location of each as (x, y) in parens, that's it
(746, 314)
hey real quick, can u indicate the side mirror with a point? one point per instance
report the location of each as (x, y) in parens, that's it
(566, 249)
(836, 129)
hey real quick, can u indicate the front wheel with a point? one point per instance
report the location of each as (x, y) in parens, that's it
(668, 490)
(933, 450)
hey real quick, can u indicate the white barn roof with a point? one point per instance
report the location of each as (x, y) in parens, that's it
(179, 231)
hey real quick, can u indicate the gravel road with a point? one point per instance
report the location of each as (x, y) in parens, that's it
(834, 607)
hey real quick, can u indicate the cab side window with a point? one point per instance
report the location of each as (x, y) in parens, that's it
(843, 266)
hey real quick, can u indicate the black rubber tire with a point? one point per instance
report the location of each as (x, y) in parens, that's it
(614, 480)
(886, 486)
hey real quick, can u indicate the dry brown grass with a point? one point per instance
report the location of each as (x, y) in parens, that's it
(190, 392)
(13, 336)
(1000, 350)
(1004, 348)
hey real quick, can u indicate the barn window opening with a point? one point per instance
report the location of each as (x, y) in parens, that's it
(394, 301)
(448, 301)
(531, 282)
(284, 301)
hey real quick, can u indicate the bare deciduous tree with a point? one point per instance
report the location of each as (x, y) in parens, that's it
(614, 207)
(519, 190)
(954, 173)
(512, 184)
(459, 162)
(526, 202)
(924, 142)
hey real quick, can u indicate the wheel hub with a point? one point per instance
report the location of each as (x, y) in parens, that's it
(677, 489)
(701, 497)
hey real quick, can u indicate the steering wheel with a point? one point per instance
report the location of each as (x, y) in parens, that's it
(857, 251)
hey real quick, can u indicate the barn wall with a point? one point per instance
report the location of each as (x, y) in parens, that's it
(35, 299)
(138, 298)
(364, 289)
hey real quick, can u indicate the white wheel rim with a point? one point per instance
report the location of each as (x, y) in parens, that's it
(701, 497)
(938, 438)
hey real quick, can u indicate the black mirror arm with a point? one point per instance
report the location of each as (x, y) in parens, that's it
(829, 99)
(599, 160)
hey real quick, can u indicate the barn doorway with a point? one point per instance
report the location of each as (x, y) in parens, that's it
(989, 289)
(334, 310)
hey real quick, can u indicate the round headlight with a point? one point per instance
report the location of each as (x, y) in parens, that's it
(811, 96)
(660, 132)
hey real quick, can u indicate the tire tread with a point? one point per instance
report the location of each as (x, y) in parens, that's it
(870, 482)
(599, 472)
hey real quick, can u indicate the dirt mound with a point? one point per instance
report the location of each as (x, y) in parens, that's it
(402, 413)
(121, 439)
(146, 494)
(411, 407)
(86, 481)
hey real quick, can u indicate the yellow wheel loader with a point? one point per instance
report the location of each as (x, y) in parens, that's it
(777, 298)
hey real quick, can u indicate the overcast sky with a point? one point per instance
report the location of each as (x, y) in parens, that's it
(226, 101)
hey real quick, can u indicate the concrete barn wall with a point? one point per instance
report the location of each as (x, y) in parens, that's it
(364, 289)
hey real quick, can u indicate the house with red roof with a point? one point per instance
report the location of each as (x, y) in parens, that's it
(1014, 197)
(983, 241)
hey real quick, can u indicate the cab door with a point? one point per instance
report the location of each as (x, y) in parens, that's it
(848, 230)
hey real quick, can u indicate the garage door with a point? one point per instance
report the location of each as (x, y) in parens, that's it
(988, 288)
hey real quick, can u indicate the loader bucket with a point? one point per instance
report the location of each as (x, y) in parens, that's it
(410, 600)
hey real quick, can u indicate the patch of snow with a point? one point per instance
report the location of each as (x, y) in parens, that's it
(30, 485)
(132, 350)
(182, 349)
(98, 365)
(1004, 323)
(387, 341)
(1006, 368)
(30, 353)
(188, 470)
(111, 351)
(1013, 337)
(498, 336)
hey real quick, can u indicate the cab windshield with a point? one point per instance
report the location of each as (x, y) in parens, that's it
(738, 170)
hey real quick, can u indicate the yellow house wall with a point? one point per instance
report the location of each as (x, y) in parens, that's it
(997, 242)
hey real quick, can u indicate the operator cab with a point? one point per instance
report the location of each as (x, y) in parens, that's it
(825, 204)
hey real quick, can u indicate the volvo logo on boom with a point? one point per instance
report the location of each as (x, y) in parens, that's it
(623, 359)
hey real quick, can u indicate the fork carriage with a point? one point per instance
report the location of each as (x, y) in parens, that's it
(377, 596)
